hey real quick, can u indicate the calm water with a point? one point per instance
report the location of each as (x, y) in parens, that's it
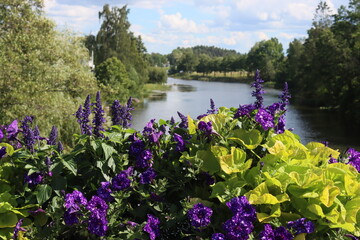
(193, 98)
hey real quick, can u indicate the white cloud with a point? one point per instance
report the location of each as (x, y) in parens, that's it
(176, 23)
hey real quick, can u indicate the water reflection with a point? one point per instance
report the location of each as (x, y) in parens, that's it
(193, 98)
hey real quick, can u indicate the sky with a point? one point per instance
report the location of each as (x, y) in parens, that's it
(167, 24)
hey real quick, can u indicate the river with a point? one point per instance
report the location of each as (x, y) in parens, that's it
(192, 98)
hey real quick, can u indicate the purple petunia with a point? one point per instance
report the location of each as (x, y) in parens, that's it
(265, 119)
(120, 181)
(267, 233)
(12, 130)
(152, 227)
(199, 215)
(97, 206)
(2, 151)
(147, 176)
(144, 159)
(238, 227)
(34, 179)
(301, 226)
(136, 147)
(105, 192)
(240, 205)
(218, 236)
(71, 218)
(354, 158)
(181, 145)
(74, 201)
(97, 226)
(18, 228)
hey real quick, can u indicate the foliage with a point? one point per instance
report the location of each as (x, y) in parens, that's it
(42, 72)
(232, 173)
(114, 39)
(113, 79)
(157, 75)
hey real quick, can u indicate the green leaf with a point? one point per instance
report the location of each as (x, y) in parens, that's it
(219, 191)
(210, 162)
(9, 148)
(8, 220)
(5, 207)
(191, 125)
(328, 195)
(250, 139)
(43, 193)
(70, 164)
(108, 150)
(218, 121)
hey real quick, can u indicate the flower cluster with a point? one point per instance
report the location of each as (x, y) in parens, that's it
(18, 228)
(82, 115)
(184, 121)
(99, 119)
(28, 133)
(354, 158)
(258, 92)
(301, 226)
(97, 221)
(34, 179)
(212, 110)
(121, 115)
(53, 136)
(152, 227)
(73, 204)
(180, 143)
(199, 216)
(280, 233)
(151, 132)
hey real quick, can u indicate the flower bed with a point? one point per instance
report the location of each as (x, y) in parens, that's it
(230, 174)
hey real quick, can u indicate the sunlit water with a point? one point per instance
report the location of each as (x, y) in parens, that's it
(193, 98)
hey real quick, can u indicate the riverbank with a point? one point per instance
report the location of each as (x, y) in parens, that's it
(236, 77)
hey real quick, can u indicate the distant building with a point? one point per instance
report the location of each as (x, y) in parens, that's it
(91, 61)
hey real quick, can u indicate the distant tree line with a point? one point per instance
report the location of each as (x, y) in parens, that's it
(322, 70)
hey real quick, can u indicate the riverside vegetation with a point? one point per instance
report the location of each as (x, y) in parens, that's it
(229, 174)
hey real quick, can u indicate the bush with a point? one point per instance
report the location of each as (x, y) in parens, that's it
(157, 75)
(231, 174)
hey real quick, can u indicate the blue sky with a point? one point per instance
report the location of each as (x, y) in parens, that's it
(167, 24)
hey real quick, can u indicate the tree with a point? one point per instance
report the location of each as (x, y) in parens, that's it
(114, 80)
(42, 72)
(268, 57)
(114, 39)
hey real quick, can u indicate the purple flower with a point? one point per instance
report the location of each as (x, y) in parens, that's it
(74, 200)
(201, 116)
(12, 130)
(285, 96)
(1, 135)
(60, 147)
(332, 160)
(240, 205)
(282, 234)
(98, 116)
(258, 92)
(265, 119)
(280, 127)
(205, 127)
(18, 228)
(97, 226)
(184, 121)
(120, 181)
(149, 128)
(209, 180)
(218, 236)
(136, 148)
(34, 179)
(238, 228)
(53, 136)
(354, 158)
(244, 110)
(97, 207)
(155, 136)
(199, 215)
(71, 218)
(147, 176)
(301, 226)
(152, 227)
(212, 109)
(274, 108)
(351, 236)
(143, 160)
(172, 121)
(121, 114)
(105, 192)
(180, 146)
(268, 233)
(2, 151)
(83, 115)
(28, 133)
